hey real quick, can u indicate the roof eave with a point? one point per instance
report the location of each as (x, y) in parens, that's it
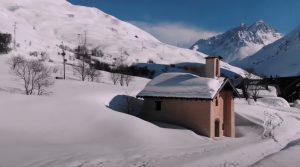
(166, 97)
(226, 80)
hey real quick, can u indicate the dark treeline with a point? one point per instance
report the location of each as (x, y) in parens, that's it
(128, 70)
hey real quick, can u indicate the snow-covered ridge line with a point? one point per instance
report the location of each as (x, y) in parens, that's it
(279, 58)
(43, 25)
(239, 42)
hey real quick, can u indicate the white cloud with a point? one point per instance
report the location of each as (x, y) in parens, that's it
(175, 33)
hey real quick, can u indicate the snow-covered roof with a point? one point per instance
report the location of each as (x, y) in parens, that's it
(182, 85)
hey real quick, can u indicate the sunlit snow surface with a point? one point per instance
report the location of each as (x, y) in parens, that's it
(74, 124)
(43, 25)
(182, 85)
(280, 58)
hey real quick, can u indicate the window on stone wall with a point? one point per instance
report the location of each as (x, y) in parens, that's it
(157, 105)
(217, 101)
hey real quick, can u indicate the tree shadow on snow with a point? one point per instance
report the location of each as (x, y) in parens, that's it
(22, 91)
(12, 90)
(126, 104)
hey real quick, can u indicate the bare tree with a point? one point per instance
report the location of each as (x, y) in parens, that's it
(80, 70)
(121, 79)
(44, 80)
(247, 81)
(114, 77)
(34, 74)
(255, 91)
(97, 52)
(92, 74)
(14, 61)
(82, 52)
(119, 62)
(44, 56)
(121, 69)
(128, 79)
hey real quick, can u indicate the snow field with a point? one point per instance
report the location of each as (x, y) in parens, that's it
(72, 126)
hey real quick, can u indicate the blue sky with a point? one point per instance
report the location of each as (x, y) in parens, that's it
(198, 18)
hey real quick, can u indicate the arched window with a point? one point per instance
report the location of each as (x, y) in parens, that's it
(217, 128)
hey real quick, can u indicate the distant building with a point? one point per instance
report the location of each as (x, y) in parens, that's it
(202, 104)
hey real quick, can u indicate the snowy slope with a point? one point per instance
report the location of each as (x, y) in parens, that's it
(48, 23)
(279, 58)
(288, 155)
(239, 42)
(43, 25)
(75, 125)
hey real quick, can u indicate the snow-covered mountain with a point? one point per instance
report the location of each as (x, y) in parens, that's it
(42, 25)
(279, 58)
(239, 42)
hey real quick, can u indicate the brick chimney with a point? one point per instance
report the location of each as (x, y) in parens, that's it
(212, 66)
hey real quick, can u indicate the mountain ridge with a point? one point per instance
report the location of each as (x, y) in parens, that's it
(280, 58)
(43, 25)
(239, 42)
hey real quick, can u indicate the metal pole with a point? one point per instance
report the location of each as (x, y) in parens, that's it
(64, 68)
